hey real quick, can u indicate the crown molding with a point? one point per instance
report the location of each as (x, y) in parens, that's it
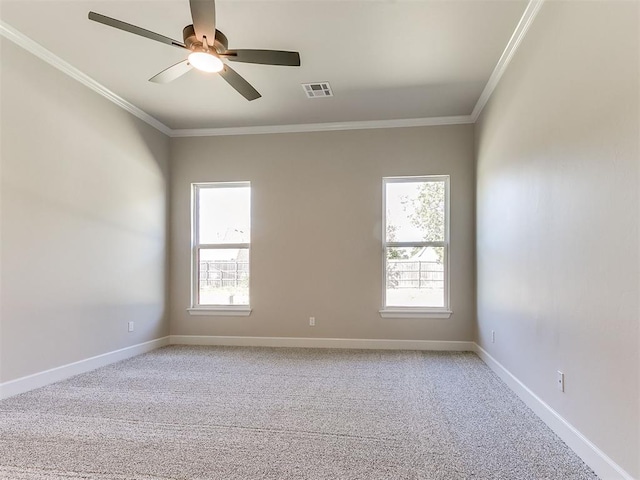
(42, 53)
(323, 127)
(518, 35)
(529, 14)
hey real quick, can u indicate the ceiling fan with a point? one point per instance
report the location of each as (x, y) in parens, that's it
(208, 47)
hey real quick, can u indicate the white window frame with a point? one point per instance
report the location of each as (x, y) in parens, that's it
(421, 311)
(211, 310)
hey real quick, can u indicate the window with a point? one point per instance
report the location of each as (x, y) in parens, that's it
(221, 238)
(416, 247)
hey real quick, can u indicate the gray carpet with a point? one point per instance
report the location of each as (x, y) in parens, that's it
(261, 413)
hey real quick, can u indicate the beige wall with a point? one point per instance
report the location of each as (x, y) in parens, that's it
(557, 219)
(316, 233)
(83, 221)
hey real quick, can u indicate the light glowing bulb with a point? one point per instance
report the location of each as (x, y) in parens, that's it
(206, 62)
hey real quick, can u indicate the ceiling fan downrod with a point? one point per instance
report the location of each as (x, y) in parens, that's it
(220, 42)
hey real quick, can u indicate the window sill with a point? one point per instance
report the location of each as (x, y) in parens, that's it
(222, 311)
(414, 313)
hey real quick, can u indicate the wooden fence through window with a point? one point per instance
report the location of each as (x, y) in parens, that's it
(224, 273)
(414, 274)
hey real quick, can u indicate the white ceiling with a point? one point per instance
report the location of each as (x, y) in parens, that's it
(385, 60)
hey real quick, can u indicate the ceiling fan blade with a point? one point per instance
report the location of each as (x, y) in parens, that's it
(203, 13)
(173, 72)
(240, 84)
(127, 27)
(265, 57)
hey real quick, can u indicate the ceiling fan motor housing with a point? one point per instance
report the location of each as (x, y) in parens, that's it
(220, 43)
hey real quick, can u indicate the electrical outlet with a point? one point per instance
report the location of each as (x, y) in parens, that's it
(131, 326)
(312, 321)
(560, 381)
(493, 336)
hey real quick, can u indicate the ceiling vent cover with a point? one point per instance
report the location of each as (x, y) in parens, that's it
(316, 90)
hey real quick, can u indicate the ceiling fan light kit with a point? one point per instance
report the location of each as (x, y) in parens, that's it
(206, 62)
(208, 48)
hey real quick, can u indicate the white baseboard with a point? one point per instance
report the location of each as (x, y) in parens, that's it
(40, 379)
(601, 464)
(361, 343)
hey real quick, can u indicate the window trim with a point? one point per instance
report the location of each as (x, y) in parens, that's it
(220, 311)
(417, 312)
(212, 310)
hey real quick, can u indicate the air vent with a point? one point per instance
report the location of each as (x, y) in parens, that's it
(316, 90)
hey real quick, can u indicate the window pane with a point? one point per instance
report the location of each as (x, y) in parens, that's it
(224, 215)
(224, 276)
(415, 211)
(415, 277)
